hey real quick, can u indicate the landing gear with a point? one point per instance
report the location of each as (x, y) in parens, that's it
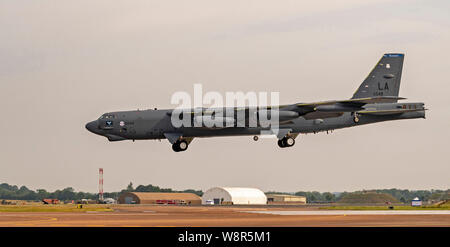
(287, 141)
(255, 138)
(355, 118)
(280, 143)
(180, 145)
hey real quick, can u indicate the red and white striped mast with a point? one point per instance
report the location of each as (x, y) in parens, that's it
(100, 184)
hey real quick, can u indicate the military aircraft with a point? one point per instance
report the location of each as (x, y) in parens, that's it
(375, 100)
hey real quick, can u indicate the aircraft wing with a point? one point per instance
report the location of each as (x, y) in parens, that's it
(335, 108)
(360, 101)
(315, 110)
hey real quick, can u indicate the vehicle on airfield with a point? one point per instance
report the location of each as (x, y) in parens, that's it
(376, 100)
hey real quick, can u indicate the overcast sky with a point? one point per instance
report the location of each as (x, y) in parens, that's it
(64, 63)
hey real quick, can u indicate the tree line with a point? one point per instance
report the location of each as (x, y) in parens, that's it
(405, 196)
(13, 192)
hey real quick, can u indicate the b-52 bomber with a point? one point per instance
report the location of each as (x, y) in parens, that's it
(375, 100)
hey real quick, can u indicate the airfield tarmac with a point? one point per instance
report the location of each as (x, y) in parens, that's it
(182, 216)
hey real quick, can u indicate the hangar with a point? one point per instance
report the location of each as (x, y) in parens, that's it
(159, 198)
(285, 199)
(233, 196)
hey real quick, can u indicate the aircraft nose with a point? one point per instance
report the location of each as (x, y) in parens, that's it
(92, 126)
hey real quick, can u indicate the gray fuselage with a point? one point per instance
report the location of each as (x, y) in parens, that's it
(375, 100)
(153, 124)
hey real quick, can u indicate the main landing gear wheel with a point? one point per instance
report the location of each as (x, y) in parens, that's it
(280, 143)
(255, 138)
(180, 146)
(355, 118)
(286, 142)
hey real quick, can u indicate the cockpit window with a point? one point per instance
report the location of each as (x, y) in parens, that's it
(107, 116)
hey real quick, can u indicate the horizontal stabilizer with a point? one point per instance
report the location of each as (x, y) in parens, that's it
(388, 112)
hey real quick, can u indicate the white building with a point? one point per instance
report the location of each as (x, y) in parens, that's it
(416, 202)
(234, 196)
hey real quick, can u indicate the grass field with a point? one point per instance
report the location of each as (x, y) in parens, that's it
(54, 208)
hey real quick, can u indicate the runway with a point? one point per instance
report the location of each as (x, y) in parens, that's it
(185, 216)
(357, 212)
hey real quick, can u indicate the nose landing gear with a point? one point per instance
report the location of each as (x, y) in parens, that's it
(180, 145)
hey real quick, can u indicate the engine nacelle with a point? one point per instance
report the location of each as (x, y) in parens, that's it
(338, 108)
(282, 115)
(214, 121)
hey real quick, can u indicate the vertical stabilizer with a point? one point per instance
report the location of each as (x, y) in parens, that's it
(384, 79)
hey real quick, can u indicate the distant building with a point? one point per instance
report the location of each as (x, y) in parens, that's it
(109, 201)
(233, 196)
(159, 198)
(416, 202)
(285, 199)
(50, 201)
(86, 201)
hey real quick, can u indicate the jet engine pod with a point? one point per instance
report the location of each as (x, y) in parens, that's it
(213, 122)
(282, 115)
(338, 108)
(318, 121)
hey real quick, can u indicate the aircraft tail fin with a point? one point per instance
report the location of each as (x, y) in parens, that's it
(384, 79)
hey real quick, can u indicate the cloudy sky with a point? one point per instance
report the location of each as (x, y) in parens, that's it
(64, 63)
